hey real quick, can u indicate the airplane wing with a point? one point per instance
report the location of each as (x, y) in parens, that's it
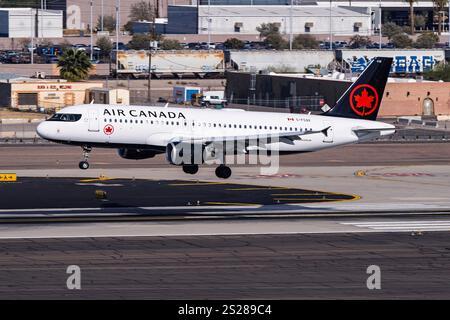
(286, 137)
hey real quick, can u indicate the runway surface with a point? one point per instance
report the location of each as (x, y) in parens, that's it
(229, 267)
(64, 157)
(256, 235)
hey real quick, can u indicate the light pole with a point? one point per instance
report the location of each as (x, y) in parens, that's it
(92, 31)
(117, 36)
(102, 13)
(33, 26)
(209, 24)
(290, 26)
(151, 46)
(381, 35)
(331, 29)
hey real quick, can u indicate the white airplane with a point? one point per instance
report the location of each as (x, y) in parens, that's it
(140, 132)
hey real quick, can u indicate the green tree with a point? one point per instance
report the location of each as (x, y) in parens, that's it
(441, 72)
(234, 43)
(170, 44)
(439, 7)
(420, 21)
(142, 11)
(402, 41)
(305, 41)
(358, 41)
(276, 41)
(266, 29)
(141, 41)
(74, 65)
(109, 23)
(411, 15)
(271, 34)
(427, 40)
(390, 29)
(105, 45)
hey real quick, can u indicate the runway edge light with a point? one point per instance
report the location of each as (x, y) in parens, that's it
(8, 177)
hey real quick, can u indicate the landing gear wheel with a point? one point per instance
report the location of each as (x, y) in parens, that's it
(83, 165)
(190, 169)
(223, 172)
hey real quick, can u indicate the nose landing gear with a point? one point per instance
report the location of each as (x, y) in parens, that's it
(83, 165)
(223, 172)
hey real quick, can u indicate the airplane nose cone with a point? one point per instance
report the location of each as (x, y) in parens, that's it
(43, 130)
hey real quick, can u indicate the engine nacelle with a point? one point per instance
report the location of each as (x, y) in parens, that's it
(136, 154)
(188, 153)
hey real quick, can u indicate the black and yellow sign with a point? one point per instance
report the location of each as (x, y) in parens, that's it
(8, 177)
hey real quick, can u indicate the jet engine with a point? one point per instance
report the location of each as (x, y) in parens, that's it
(136, 154)
(189, 153)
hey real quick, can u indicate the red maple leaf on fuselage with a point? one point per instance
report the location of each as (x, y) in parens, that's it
(364, 100)
(108, 129)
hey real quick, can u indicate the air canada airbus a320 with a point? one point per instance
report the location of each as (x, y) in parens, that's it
(140, 132)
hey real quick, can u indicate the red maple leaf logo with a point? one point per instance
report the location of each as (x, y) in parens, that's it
(366, 98)
(109, 129)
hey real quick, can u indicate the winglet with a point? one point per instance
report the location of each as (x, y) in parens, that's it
(166, 105)
(92, 102)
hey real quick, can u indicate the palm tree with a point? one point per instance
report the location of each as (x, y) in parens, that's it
(411, 14)
(74, 65)
(439, 6)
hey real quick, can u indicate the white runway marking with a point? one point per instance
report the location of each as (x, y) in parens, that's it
(413, 225)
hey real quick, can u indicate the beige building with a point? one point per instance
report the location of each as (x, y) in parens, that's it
(47, 94)
(109, 96)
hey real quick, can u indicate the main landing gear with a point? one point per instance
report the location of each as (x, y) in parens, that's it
(190, 168)
(85, 164)
(223, 172)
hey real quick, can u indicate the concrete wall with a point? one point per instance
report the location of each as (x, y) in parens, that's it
(177, 61)
(29, 70)
(297, 60)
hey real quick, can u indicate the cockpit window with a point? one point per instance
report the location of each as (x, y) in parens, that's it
(67, 117)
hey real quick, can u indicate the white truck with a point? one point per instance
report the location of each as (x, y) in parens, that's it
(216, 98)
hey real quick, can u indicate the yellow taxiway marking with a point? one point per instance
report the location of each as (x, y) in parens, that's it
(232, 204)
(101, 178)
(307, 199)
(8, 177)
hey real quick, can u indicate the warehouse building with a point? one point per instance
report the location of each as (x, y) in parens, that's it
(245, 19)
(28, 22)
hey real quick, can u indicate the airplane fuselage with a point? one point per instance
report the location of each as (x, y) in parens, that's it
(112, 126)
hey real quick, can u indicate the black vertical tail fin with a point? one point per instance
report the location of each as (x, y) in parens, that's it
(363, 99)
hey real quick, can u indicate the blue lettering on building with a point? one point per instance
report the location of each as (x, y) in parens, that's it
(401, 64)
